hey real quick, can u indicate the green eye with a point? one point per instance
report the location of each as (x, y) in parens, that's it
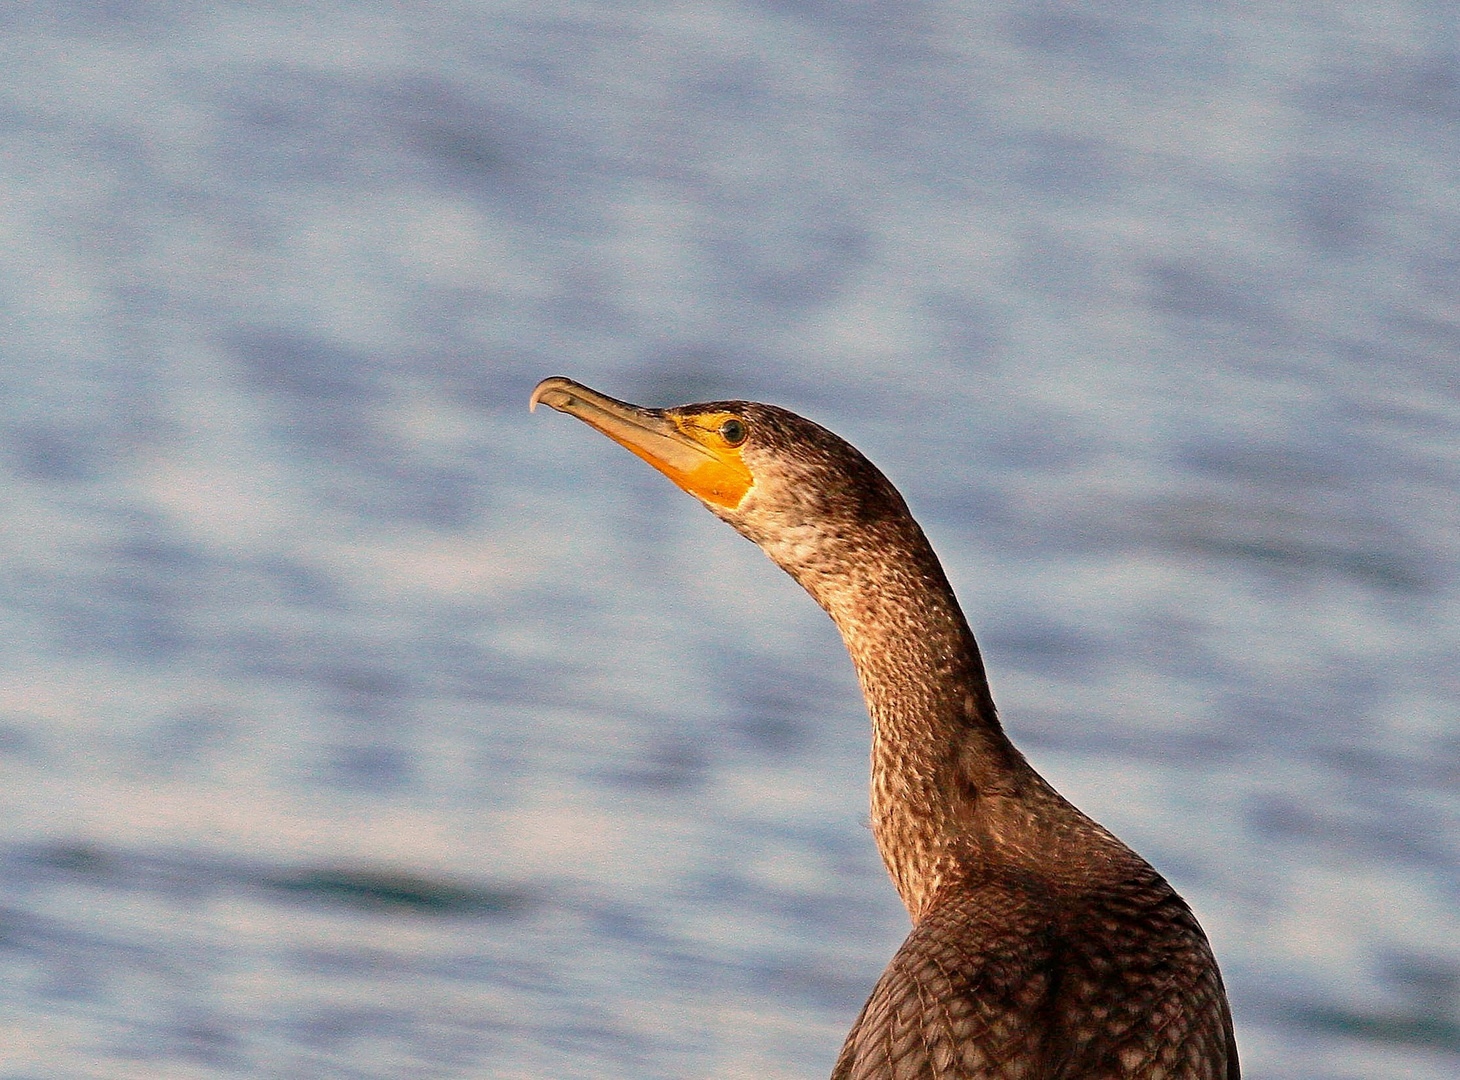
(733, 432)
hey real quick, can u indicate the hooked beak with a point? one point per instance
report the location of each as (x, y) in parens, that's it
(719, 477)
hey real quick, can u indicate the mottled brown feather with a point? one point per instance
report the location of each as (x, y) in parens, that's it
(1004, 979)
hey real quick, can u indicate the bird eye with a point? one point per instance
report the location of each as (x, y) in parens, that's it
(733, 432)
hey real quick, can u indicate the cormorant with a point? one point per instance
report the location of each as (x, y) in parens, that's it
(1042, 947)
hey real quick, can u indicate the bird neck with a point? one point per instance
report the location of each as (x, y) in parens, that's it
(938, 750)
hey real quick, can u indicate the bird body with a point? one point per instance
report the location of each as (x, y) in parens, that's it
(1042, 947)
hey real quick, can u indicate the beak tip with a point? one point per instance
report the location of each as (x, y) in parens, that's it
(541, 391)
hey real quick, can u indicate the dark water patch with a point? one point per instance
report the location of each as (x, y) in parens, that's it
(771, 730)
(1428, 1017)
(179, 878)
(1058, 31)
(1437, 342)
(583, 304)
(362, 689)
(281, 127)
(1429, 979)
(376, 767)
(605, 1039)
(797, 263)
(1386, 571)
(1420, 85)
(445, 498)
(667, 764)
(297, 583)
(818, 985)
(77, 859)
(1422, 1032)
(986, 510)
(1104, 735)
(833, 903)
(498, 382)
(20, 742)
(199, 876)
(200, 1036)
(1338, 210)
(1437, 270)
(129, 610)
(1430, 86)
(54, 455)
(109, 22)
(327, 402)
(336, 1028)
(492, 677)
(395, 890)
(357, 681)
(186, 1031)
(140, 602)
(732, 890)
(1373, 764)
(621, 922)
(486, 147)
(1393, 837)
(776, 710)
(1066, 271)
(1059, 166)
(972, 329)
(384, 487)
(350, 962)
(1191, 291)
(158, 552)
(185, 739)
(302, 369)
(1283, 717)
(1042, 646)
(1273, 465)
(1309, 541)
(1037, 443)
(507, 153)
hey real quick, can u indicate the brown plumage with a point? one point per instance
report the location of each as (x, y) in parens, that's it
(1042, 947)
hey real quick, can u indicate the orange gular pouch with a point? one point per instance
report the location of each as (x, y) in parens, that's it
(720, 482)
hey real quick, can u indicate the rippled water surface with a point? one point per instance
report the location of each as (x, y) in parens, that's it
(355, 723)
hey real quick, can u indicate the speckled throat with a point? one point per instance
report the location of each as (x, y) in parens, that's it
(938, 750)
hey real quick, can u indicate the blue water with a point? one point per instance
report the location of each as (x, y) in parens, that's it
(355, 723)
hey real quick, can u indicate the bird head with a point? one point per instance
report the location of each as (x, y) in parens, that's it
(800, 492)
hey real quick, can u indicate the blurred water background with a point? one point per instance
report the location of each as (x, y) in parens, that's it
(355, 723)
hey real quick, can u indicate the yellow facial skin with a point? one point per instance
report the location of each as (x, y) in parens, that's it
(722, 478)
(690, 449)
